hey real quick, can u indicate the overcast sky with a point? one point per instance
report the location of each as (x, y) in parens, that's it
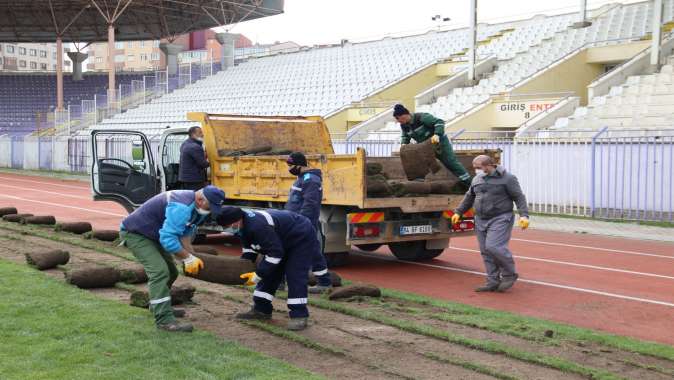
(310, 22)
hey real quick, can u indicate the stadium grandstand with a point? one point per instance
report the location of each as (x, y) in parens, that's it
(32, 102)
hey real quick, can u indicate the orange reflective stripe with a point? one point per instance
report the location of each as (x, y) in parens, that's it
(366, 217)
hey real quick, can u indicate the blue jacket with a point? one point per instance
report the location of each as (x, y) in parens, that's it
(274, 234)
(193, 162)
(306, 194)
(166, 218)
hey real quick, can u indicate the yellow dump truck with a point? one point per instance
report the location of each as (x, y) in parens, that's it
(414, 228)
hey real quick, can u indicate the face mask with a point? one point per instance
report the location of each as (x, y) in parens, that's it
(203, 212)
(480, 172)
(200, 139)
(295, 170)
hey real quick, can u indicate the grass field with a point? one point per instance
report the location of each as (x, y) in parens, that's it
(53, 331)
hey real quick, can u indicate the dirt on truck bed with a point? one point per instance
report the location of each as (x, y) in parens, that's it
(373, 338)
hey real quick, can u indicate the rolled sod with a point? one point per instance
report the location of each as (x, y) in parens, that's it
(334, 277)
(400, 189)
(179, 295)
(93, 277)
(48, 220)
(133, 275)
(74, 227)
(418, 159)
(15, 218)
(355, 290)
(223, 269)
(104, 235)
(207, 251)
(378, 187)
(47, 259)
(373, 168)
(8, 211)
(442, 187)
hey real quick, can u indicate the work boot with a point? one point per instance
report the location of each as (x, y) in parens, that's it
(297, 324)
(507, 283)
(253, 314)
(319, 289)
(179, 313)
(175, 327)
(488, 287)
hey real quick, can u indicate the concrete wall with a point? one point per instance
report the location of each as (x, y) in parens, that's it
(504, 113)
(615, 53)
(572, 75)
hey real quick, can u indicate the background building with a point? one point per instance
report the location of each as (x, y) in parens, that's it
(129, 56)
(31, 57)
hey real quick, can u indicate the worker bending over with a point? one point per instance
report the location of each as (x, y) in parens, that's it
(421, 126)
(288, 242)
(492, 193)
(305, 198)
(161, 230)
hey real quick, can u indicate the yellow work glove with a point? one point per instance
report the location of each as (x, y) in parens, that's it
(192, 265)
(456, 218)
(251, 278)
(435, 139)
(523, 222)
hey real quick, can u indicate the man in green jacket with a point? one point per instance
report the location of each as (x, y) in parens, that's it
(421, 126)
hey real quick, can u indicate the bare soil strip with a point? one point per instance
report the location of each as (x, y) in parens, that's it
(342, 344)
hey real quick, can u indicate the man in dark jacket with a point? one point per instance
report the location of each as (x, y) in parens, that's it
(286, 240)
(422, 126)
(193, 161)
(492, 193)
(305, 198)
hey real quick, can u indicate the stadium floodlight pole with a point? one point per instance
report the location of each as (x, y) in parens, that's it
(473, 40)
(657, 34)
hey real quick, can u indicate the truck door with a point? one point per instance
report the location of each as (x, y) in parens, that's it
(169, 148)
(123, 168)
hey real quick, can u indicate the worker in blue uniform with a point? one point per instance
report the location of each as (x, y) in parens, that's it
(305, 198)
(286, 240)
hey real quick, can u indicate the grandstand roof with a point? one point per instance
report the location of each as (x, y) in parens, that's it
(83, 20)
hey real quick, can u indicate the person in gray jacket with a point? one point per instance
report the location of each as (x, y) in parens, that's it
(492, 193)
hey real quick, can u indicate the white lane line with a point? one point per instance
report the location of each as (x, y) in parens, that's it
(536, 282)
(597, 248)
(63, 206)
(577, 265)
(44, 183)
(46, 192)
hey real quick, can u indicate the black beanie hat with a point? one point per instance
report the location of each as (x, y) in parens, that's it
(400, 109)
(297, 158)
(229, 215)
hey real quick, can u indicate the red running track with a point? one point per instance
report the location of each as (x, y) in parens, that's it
(617, 285)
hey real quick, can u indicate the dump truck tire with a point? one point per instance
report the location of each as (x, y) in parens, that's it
(413, 251)
(336, 259)
(368, 247)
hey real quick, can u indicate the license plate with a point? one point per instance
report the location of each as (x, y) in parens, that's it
(415, 230)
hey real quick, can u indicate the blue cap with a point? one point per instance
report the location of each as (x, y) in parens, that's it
(216, 198)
